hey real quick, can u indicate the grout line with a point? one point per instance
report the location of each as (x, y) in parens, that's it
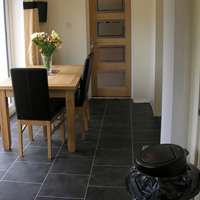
(48, 172)
(11, 181)
(117, 166)
(53, 197)
(15, 160)
(96, 186)
(115, 149)
(66, 174)
(87, 186)
(32, 162)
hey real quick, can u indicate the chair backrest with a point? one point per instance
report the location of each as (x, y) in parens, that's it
(30, 88)
(85, 79)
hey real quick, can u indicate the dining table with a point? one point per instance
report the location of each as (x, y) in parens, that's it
(62, 83)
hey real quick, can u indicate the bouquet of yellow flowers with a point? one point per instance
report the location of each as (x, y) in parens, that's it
(47, 43)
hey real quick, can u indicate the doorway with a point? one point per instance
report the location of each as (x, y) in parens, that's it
(110, 40)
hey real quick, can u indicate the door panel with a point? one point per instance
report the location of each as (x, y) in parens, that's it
(111, 54)
(110, 29)
(110, 35)
(110, 5)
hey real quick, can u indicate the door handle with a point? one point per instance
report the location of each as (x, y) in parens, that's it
(92, 42)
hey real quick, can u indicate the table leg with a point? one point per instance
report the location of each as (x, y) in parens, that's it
(5, 121)
(70, 109)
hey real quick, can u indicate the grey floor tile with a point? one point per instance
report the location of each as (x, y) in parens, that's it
(52, 198)
(146, 136)
(117, 119)
(83, 148)
(113, 157)
(28, 172)
(18, 191)
(2, 173)
(108, 176)
(143, 116)
(90, 136)
(93, 125)
(114, 142)
(72, 165)
(13, 118)
(40, 142)
(118, 103)
(97, 109)
(38, 154)
(6, 160)
(97, 102)
(107, 194)
(14, 132)
(96, 116)
(14, 146)
(71, 186)
(141, 107)
(145, 125)
(116, 130)
(125, 111)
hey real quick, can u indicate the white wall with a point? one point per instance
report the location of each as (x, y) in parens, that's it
(68, 19)
(176, 72)
(153, 54)
(157, 57)
(193, 138)
(142, 59)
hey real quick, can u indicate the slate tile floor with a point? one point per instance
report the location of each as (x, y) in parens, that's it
(96, 171)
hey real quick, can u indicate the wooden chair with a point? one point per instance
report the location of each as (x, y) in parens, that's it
(33, 106)
(81, 95)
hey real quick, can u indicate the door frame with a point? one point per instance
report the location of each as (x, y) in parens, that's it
(88, 44)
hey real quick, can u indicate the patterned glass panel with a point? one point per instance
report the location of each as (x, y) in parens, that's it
(111, 54)
(110, 5)
(111, 29)
(111, 79)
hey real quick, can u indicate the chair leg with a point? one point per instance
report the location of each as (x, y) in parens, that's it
(63, 128)
(49, 140)
(45, 132)
(85, 117)
(87, 107)
(80, 113)
(30, 131)
(20, 139)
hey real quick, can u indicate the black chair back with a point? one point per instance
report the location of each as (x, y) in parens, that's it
(85, 80)
(30, 88)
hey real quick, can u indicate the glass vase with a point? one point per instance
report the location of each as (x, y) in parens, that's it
(47, 62)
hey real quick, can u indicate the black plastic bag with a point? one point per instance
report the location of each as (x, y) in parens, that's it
(183, 187)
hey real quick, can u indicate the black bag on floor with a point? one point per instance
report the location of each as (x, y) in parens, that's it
(157, 176)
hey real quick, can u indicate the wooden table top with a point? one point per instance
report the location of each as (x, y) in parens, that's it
(66, 79)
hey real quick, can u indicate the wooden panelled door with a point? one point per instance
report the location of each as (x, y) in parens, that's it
(110, 40)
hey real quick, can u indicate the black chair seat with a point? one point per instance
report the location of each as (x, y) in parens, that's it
(55, 107)
(62, 100)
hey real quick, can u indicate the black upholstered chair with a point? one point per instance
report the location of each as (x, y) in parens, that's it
(33, 106)
(81, 97)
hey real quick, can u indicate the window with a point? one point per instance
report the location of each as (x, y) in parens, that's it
(4, 50)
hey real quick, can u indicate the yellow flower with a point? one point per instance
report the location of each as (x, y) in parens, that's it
(55, 35)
